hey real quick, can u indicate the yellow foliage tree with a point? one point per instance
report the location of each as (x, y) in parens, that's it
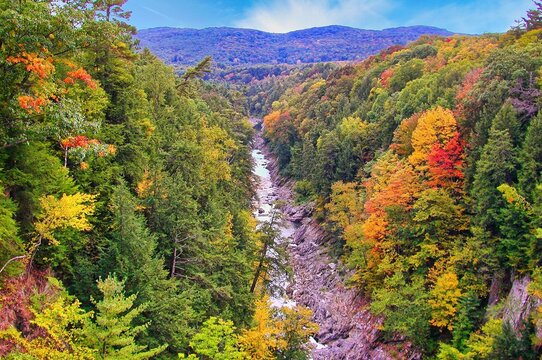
(296, 327)
(217, 149)
(481, 343)
(535, 289)
(262, 340)
(345, 205)
(437, 125)
(68, 211)
(287, 333)
(444, 300)
(60, 322)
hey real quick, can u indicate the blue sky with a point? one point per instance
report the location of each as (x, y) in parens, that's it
(464, 16)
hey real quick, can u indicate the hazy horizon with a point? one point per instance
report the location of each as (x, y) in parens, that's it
(307, 28)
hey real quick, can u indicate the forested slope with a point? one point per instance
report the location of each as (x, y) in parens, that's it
(125, 212)
(234, 47)
(126, 216)
(425, 165)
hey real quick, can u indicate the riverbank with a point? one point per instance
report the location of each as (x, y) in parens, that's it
(347, 329)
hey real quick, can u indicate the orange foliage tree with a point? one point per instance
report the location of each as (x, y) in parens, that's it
(434, 126)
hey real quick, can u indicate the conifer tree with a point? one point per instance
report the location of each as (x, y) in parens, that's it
(506, 119)
(495, 167)
(133, 257)
(531, 157)
(113, 332)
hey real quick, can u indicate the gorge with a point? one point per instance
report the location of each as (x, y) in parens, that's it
(330, 193)
(347, 329)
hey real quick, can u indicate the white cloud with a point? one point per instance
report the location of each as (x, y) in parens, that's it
(470, 16)
(476, 17)
(287, 15)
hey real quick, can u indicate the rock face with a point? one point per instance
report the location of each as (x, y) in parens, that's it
(519, 304)
(347, 329)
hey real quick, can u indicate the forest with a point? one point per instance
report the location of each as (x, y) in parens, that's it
(425, 165)
(126, 205)
(127, 227)
(233, 47)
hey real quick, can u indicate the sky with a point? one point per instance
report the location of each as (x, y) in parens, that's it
(462, 16)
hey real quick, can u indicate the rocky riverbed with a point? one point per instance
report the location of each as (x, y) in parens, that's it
(347, 329)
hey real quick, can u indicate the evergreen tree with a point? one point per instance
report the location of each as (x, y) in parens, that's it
(467, 319)
(10, 244)
(113, 332)
(506, 119)
(508, 346)
(133, 249)
(531, 157)
(495, 167)
(516, 237)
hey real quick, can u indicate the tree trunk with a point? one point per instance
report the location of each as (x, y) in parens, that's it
(259, 268)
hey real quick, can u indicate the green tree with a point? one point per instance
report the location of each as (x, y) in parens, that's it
(132, 256)
(508, 346)
(406, 72)
(216, 340)
(490, 174)
(506, 119)
(467, 319)
(531, 157)
(10, 243)
(415, 313)
(113, 333)
(517, 242)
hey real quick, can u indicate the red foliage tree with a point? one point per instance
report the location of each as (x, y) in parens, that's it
(446, 163)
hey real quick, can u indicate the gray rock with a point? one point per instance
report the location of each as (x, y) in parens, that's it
(519, 304)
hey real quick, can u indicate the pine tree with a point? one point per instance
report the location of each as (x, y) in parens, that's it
(508, 346)
(506, 119)
(533, 19)
(10, 244)
(531, 157)
(466, 320)
(113, 332)
(133, 252)
(495, 167)
(515, 229)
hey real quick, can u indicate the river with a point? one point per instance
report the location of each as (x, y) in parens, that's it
(267, 193)
(348, 331)
(266, 211)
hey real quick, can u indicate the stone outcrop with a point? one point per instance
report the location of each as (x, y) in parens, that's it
(519, 304)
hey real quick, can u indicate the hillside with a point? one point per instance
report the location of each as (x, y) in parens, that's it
(424, 165)
(230, 46)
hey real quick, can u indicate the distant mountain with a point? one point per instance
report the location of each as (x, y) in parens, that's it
(230, 46)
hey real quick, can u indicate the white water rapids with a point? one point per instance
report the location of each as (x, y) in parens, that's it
(266, 196)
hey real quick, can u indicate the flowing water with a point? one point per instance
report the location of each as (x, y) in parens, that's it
(265, 211)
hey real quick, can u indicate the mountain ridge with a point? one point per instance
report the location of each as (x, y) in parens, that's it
(231, 46)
